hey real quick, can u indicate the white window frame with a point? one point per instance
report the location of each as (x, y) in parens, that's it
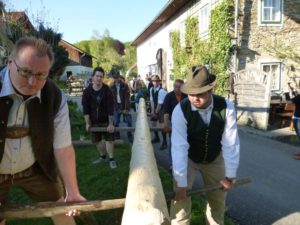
(271, 8)
(204, 14)
(277, 86)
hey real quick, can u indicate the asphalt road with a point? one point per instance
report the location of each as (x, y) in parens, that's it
(273, 197)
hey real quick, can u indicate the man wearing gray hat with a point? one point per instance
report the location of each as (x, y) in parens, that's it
(204, 139)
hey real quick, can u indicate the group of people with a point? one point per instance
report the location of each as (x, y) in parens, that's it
(36, 151)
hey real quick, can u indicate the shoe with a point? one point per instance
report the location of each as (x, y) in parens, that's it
(297, 157)
(163, 146)
(170, 169)
(130, 139)
(155, 140)
(113, 164)
(100, 160)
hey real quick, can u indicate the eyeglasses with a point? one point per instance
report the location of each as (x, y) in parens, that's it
(27, 73)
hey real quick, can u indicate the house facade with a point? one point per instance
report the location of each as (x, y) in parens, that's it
(266, 54)
(268, 33)
(154, 51)
(81, 63)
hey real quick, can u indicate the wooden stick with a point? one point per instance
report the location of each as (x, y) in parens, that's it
(79, 143)
(49, 209)
(208, 188)
(104, 129)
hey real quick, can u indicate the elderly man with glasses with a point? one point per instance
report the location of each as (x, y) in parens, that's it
(36, 152)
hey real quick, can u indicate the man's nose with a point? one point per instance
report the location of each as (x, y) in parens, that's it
(32, 80)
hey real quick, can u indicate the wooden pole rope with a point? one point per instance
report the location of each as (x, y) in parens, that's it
(49, 209)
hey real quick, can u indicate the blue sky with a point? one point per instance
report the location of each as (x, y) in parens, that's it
(125, 20)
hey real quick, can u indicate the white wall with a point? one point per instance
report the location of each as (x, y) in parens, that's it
(78, 71)
(146, 51)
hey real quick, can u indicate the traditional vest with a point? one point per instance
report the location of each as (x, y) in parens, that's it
(205, 141)
(41, 128)
(155, 96)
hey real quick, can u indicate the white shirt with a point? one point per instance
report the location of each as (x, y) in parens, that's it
(230, 142)
(161, 94)
(118, 93)
(18, 154)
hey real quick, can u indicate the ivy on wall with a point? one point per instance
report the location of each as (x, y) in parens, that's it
(214, 52)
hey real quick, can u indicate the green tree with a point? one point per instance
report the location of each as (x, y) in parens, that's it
(109, 52)
(19, 30)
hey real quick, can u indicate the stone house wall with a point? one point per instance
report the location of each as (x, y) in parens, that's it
(269, 43)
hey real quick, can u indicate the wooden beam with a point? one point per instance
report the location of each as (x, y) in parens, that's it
(48, 209)
(145, 200)
(79, 143)
(103, 129)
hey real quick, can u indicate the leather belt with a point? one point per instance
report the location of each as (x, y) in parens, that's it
(17, 132)
(24, 173)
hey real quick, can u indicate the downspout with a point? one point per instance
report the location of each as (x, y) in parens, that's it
(236, 11)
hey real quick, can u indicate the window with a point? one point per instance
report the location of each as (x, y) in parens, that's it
(204, 19)
(273, 70)
(271, 11)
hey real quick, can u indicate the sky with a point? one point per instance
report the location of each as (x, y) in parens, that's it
(84, 19)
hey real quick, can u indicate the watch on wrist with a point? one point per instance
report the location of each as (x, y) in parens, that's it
(231, 179)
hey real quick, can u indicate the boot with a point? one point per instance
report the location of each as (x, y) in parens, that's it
(164, 144)
(156, 138)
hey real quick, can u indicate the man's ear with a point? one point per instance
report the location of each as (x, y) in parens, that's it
(9, 61)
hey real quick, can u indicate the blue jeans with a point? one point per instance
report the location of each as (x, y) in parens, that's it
(297, 126)
(127, 118)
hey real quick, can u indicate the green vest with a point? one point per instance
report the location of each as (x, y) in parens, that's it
(41, 127)
(204, 141)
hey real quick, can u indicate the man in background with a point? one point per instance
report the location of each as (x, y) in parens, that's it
(98, 110)
(121, 93)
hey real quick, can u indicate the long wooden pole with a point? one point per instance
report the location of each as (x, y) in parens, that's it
(49, 209)
(145, 201)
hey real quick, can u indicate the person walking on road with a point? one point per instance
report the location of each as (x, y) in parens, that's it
(121, 93)
(157, 96)
(204, 139)
(36, 151)
(98, 109)
(171, 100)
(295, 98)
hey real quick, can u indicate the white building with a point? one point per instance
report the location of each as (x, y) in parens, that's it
(154, 52)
